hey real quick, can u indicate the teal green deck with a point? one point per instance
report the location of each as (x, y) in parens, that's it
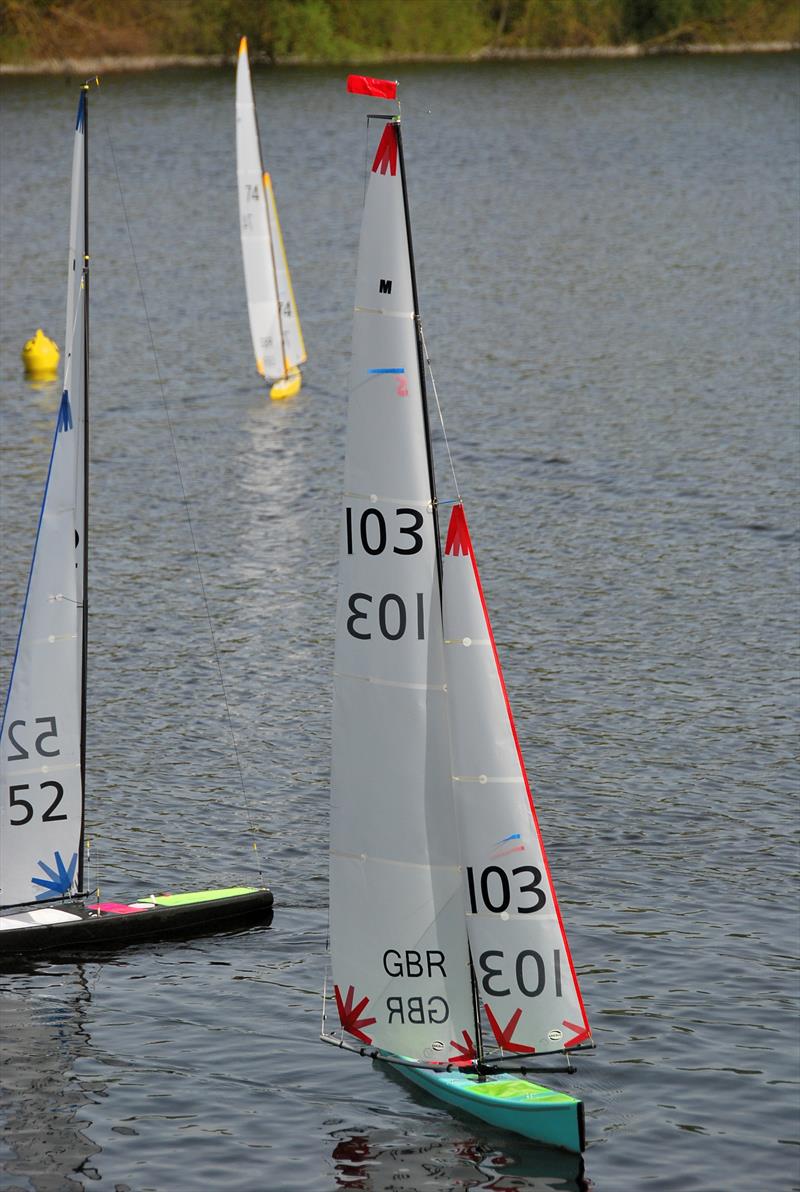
(541, 1114)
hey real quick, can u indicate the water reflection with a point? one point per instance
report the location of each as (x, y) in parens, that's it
(366, 1164)
(43, 1039)
(444, 1151)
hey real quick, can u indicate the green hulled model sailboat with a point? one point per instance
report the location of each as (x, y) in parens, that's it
(449, 955)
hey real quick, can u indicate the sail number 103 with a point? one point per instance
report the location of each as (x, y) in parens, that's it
(493, 888)
(388, 614)
(373, 532)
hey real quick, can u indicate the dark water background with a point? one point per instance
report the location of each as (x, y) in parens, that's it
(608, 266)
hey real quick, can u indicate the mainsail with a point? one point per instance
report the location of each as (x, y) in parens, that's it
(42, 733)
(398, 934)
(523, 967)
(274, 324)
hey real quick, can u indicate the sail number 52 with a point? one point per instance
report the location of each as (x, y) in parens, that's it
(21, 752)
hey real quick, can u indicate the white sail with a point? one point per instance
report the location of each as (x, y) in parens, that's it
(41, 818)
(523, 968)
(294, 346)
(398, 937)
(274, 324)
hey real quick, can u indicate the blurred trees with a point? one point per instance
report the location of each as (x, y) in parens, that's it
(337, 30)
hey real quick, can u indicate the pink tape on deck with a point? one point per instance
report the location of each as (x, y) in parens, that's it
(116, 908)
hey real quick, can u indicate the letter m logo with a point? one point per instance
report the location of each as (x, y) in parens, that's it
(386, 157)
(386, 285)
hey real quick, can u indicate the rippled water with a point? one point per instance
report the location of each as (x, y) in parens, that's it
(608, 265)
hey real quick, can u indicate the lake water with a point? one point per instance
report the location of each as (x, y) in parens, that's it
(608, 266)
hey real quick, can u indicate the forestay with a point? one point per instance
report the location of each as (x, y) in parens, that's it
(41, 820)
(523, 967)
(274, 325)
(398, 937)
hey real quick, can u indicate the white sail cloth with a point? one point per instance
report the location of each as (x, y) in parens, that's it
(274, 324)
(523, 968)
(41, 810)
(398, 937)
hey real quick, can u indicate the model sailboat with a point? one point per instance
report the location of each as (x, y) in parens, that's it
(43, 899)
(274, 324)
(449, 955)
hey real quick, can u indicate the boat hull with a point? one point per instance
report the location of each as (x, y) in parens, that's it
(75, 926)
(287, 386)
(508, 1103)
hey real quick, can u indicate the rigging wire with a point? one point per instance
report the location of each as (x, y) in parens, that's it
(439, 410)
(162, 391)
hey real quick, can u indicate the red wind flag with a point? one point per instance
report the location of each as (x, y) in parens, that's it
(378, 88)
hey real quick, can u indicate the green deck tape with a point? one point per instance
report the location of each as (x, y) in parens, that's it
(521, 1090)
(198, 896)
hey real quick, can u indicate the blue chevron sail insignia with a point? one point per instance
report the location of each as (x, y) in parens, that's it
(58, 880)
(64, 414)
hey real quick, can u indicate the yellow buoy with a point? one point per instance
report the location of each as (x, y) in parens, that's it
(40, 356)
(287, 386)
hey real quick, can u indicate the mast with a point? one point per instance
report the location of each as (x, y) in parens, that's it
(274, 267)
(420, 352)
(85, 526)
(476, 1007)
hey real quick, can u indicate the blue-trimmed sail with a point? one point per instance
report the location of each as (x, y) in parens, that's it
(41, 784)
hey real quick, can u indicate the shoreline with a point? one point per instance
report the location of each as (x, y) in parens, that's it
(131, 63)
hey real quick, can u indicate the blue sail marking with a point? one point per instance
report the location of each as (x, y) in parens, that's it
(60, 878)
(378, 372)
(64, 421)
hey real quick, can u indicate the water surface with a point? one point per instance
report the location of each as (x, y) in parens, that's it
(608, 265)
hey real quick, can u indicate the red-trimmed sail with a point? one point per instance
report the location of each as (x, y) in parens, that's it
(524, 970)
(377, 88)
(386, 153)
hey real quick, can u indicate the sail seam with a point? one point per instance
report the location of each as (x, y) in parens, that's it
(380, 310)
(390, 682)
(375, 499)
(485, 779)
(427, 865)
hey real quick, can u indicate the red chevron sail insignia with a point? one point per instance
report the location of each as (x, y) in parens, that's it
(581, 1033)
(504, 1035)
(386, 157)
(458, 540)
(378, 88)
(349, 1014)
(465, 1052)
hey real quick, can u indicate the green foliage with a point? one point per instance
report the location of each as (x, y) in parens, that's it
(338, 30)
(560, 23)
